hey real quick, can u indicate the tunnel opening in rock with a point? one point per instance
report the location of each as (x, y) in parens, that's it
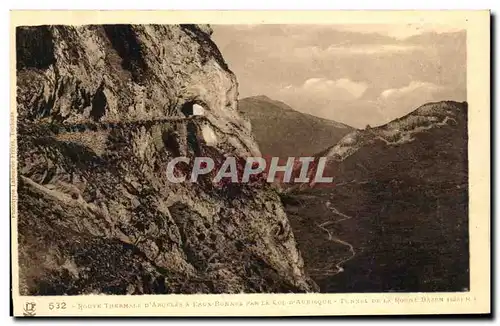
(193, 108)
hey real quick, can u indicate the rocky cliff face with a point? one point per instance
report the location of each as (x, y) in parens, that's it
(101, 111)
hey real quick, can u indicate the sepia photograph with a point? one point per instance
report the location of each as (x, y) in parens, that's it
(244, 158)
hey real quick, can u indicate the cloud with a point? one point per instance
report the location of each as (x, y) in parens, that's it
(324, 88)
(356, 49)
(350, 102)
(349, 51)
(399, 31)
(244, 27)
(396, 102)
(414, 87)
(370, 73)
(323, 97)
(373, 49)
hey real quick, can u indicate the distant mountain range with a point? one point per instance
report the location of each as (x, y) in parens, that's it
(284, 132)
(396, 218)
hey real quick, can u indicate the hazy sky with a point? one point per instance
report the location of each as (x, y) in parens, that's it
(356, 74)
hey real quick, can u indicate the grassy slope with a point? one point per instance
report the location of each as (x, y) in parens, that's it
(282, 131)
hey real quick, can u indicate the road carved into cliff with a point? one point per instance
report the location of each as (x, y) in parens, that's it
(107, 125)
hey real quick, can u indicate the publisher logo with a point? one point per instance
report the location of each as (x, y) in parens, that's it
(29, 309)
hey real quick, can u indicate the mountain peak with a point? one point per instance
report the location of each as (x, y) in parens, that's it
(260, 97)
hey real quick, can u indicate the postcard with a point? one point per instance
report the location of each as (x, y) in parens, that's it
(250, 163)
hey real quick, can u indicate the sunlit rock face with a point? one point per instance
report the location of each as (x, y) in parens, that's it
(101, 112)
(208, 135)
(198, 110)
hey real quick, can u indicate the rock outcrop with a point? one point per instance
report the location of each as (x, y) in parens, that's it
(101, 111)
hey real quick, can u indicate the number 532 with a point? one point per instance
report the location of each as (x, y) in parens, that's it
(57, 305)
